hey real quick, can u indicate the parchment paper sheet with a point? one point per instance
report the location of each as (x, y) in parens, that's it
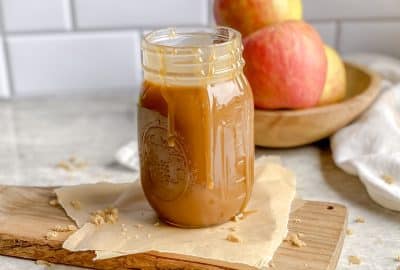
(260, 233)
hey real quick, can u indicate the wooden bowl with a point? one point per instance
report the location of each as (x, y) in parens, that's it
(289, 128)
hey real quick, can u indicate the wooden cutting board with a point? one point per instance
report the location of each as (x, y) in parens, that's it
(26, 217)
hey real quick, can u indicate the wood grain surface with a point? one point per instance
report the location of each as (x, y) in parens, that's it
(26, 217)
(289, 128)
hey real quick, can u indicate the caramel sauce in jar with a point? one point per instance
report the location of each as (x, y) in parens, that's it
(195, 126)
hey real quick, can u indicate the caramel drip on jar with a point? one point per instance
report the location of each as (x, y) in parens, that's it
(170, 102)
(207, 114)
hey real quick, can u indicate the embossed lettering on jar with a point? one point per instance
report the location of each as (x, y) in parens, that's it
(195, 124)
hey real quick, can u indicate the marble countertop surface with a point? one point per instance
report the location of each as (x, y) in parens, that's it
(37, 133)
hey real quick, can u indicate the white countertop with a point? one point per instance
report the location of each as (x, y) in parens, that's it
(37, 133)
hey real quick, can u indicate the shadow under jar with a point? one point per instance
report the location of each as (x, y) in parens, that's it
(195, 124)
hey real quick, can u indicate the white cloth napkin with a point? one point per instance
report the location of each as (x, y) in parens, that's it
(128, 156)
(370, 146)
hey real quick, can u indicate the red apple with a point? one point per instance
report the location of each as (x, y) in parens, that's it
(247, 16)
(286, 65)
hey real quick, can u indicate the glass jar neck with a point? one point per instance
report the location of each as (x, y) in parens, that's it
(182, 55)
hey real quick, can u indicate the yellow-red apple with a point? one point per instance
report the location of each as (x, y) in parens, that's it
(335, 85)
(247, 16)
(286, 65)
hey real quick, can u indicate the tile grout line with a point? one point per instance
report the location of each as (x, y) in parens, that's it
(210, 11)
(145, 28)
(139, 73)
(338, 35)
(11, 93)
(72, 15)
(360, 19)
(97, 30)
(7, 64)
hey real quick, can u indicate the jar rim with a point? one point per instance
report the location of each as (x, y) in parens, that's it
(180, 53)
(221, 36)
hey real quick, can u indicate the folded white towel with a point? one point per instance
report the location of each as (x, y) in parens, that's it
(370, 146)
(128, 156)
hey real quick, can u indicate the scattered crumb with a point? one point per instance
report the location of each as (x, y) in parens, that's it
(99, 212)
(360, 220)
(233, 229)
(349, 231)
(42, 262)
(54, 202)
(58, 228)
(124, 229)
(297, 220)
(111, 219)
(300, 235)
(81, 165)
(388, 179)
(78, 164)
(76, 204)
(294, 239)
(68, 228)
(64, 165)
(71, 164)
(397, 258)
(271, 265)
(51, 235)
(148, 235)
(111, 215)
(233, 238)
(354, 260)
(237, 218)
(72, 227)
(248, 212)
(108, 215)
(139, 226)
(114, 211)
(157, 224)
(97, 220)
(242, 215)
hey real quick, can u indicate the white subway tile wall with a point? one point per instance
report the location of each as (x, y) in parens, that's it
(383, 37)
(351, 9)
(39, 15)
(50, 63)
(130, 13)
(55, 47)
(327, 30)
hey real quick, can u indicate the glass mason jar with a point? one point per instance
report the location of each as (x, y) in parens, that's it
(195, 126)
